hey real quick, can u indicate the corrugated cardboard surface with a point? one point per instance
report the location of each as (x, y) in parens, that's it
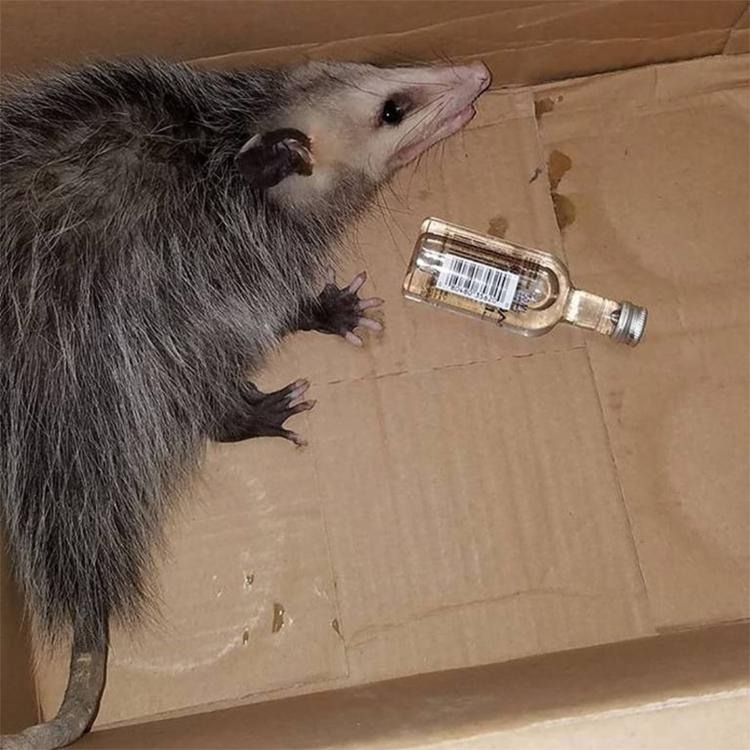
(470, 497)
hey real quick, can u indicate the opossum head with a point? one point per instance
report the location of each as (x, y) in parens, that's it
(354, 124)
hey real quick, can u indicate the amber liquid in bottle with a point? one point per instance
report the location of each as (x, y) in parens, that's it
(525, 290)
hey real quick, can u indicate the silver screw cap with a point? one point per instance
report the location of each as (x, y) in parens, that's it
(630, 323)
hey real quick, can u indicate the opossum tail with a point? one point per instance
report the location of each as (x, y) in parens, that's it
(80, 704)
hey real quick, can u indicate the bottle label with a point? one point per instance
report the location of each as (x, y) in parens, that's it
(477, 281)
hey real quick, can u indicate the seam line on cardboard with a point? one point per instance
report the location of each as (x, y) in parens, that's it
(509, 47)
(621, 496)
(372, 632)
(722, 81)
(452, 366)
(318, 45)
(331, 568)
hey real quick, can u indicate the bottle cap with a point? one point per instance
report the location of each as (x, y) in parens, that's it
(630, 323)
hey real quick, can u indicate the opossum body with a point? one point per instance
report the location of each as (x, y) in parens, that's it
(162, 229)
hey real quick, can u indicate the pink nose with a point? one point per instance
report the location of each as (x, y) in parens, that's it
(481, 72)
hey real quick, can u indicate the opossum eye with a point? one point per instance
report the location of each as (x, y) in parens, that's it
(392, 113)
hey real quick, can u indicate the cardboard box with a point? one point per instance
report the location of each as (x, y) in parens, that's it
(490, 541)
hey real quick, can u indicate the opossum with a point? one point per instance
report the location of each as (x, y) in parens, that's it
(163, 228)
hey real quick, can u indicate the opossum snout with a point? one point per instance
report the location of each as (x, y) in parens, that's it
(449, 98)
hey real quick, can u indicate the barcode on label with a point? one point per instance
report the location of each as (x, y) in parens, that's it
(477, 281)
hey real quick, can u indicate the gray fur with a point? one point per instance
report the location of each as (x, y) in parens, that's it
(139, 278)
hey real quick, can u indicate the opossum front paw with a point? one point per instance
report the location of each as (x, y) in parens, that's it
(340, 310)
(258, 414)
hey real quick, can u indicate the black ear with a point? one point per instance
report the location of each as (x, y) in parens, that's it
(268, 158)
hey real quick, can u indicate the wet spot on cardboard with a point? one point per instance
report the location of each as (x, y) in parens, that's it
(536, 174)
(245, 637)
(278, 617)
(335, 625)
(565, 210)
(542, 106)
(616, 399)
(557, 165)
(248, 581)
(498, 226)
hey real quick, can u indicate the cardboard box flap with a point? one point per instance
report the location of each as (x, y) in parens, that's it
(451, 707)
(531, 44)
(76, 30)
(526, 41)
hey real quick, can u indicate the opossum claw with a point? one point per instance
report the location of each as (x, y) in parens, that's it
(373, 325)
(356, 283)
(366, 304)
(298, 440)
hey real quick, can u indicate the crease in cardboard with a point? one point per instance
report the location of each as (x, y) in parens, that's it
(665, 87)
(329, 558)
(536, 46)
(369, 377)
(369, 38)
(378, 44)
(371, 632)
(621, 491)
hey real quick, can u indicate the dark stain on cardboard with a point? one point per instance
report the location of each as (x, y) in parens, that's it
(278, 617)
(245, 637)
(559, 98)
(249, 580)
(558, 165)
(542, 106)
(565, 210)
(536, 174)
(498, 226)
(335, 625)
(424, 194)
(616, 399)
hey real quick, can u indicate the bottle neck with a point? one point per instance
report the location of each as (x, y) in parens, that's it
(591, 311)
(621, 321)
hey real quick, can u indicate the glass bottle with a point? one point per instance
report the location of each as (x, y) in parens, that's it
(525, 290)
